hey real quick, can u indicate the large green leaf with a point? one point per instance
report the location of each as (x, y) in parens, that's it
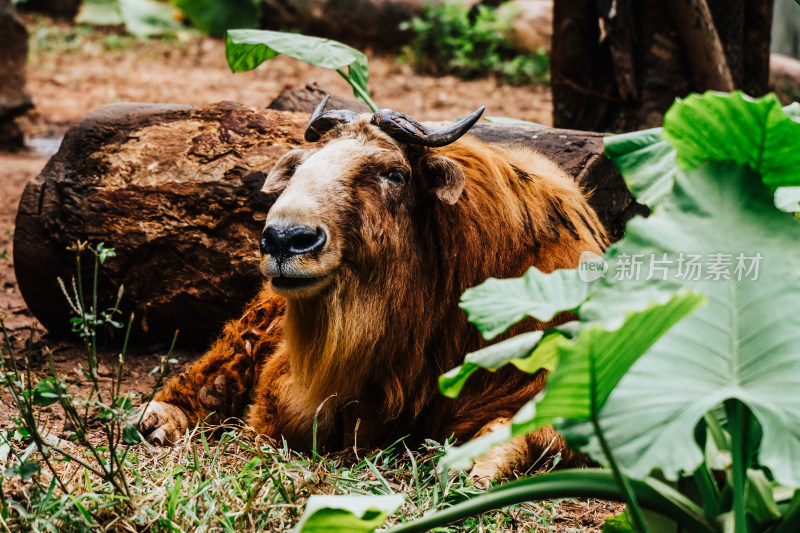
(497, 304)
(587, 371)
(216, 16)
(526, 352)
(515, 349)
(646, 161)
(347, 514)
(589, 368)
(247, 49)
(735, 127)
(745, 344)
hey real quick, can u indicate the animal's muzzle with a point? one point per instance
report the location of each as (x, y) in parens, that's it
(283, 242)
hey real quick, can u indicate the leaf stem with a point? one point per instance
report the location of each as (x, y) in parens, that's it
(622, 480)
(358, 90)
(592, 483)
(790, 521)
(739, 420)
(709, 494)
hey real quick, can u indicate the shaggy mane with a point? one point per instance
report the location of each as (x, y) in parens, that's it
(363, 355)
(390, 335)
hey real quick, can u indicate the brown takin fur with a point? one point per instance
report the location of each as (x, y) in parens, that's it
(408, 230)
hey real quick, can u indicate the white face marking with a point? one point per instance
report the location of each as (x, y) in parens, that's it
(317, 183)
(314, 197)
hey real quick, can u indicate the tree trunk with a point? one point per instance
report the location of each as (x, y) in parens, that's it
(355, 22)
(176, 191)
(55, 8)
(14, 100)
(618, 66)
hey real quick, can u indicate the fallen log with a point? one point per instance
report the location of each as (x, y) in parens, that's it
(176, 191)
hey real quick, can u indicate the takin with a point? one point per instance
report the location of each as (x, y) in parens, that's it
(377, 231)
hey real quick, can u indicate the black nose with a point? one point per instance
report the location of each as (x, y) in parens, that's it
(283, 242)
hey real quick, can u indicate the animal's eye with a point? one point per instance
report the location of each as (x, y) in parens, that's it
(395, 177)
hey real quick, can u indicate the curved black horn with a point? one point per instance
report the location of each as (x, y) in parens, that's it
(320, 123)
(405, 129)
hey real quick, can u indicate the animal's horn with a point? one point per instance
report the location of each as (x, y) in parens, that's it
(320, 123)
(405, 129)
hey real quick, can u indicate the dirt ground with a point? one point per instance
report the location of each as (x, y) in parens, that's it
(73, 70)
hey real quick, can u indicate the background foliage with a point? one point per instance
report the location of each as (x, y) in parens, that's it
(454, 38)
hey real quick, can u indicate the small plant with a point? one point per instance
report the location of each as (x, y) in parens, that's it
(140, 17)
(4, 252)
(215, 16)
(454, 38)
(105, 406)
(143, 18)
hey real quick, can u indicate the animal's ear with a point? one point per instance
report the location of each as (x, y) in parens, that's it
(444, 177)
(283, 171)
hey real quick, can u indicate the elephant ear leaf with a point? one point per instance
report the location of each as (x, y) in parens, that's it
(755, 132)
(247, 49)
(587, 369)
(497, 304)
(646, 161)
(745, 344)
(519, 351)
(717, 232)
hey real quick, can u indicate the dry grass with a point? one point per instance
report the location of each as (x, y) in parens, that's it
(241, 482)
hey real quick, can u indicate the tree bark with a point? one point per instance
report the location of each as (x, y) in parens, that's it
(14, 100)
(699, 35)
(306, 99)
(176, 191)
(756, 40)
(618, 65)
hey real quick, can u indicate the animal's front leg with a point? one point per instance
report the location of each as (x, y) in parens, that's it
(163, 423)
(220, 384)
(519, 454)
(280, 408)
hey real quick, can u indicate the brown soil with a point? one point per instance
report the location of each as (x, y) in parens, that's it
(71, 73)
